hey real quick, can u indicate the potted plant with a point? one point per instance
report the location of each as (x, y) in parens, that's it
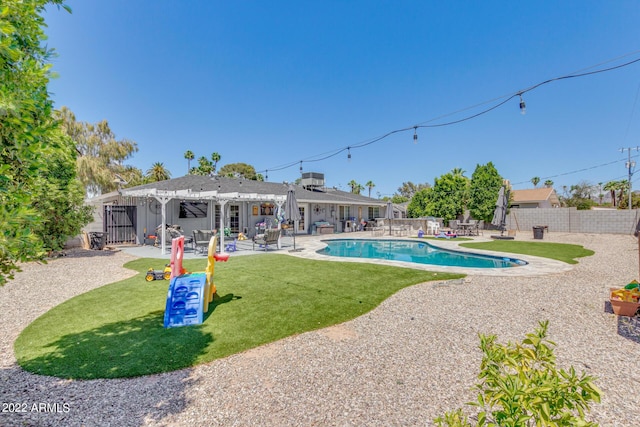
(625, 301)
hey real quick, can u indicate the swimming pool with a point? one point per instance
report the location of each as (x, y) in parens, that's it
(413, 251)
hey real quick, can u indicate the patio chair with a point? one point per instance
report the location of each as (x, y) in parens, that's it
(433, 227)
(472, 227)
(453, 225)
(201, 240)
(231, 247)
(480, 227)
(270, 237)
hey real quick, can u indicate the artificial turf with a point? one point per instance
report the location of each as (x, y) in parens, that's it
(117, 330)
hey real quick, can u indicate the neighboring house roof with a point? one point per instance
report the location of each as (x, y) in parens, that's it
(199, 183)
(535, 195)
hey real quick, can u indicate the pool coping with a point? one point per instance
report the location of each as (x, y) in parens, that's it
(536, 266)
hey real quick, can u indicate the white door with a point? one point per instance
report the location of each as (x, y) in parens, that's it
(303, 222)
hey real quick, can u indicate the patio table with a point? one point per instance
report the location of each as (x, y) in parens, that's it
(467, 228)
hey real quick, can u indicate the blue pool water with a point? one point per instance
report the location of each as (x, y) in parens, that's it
(410, 251)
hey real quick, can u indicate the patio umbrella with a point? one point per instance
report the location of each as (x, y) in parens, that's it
(500, 213)
(389, 214)
(291, 211)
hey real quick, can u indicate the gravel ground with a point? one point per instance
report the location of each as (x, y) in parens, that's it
(402, 364)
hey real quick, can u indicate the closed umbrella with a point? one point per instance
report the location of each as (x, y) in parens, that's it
(291, 211)
(389, 214)
(500, 213)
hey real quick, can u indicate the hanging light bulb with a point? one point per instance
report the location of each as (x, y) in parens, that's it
(266, 175)
(348, 154)
(523, 106)
(300, 166)
(415, 134)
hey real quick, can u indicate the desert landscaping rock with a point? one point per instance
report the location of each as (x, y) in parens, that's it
(404, 363)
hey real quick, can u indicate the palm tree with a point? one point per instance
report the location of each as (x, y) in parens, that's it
(158, 172)
(189, 156)
(611, 188)
(458, 172)
(600, 195)
(623, 186)
(369, 185)
(352, 184)
(215, 158)
(535, 180)
(548, 183)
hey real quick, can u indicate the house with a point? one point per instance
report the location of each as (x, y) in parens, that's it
(202, 202)
(535, 198)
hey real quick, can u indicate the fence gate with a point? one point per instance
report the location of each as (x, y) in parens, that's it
(120, 224)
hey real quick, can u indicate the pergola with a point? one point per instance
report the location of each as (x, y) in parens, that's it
(164, 196)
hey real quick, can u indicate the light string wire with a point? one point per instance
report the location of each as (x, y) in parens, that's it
(509, 97)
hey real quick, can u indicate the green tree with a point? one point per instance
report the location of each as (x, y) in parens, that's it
(408, 189)
(215, 158)
(133, 176)
(580, 196)
(370, 186)
(240, 170)
(548, 183)
(100, 154)
(31, 146)
(418, 206)
(205, 167)
(59, 197)
(189, 156)
(157, 172)
(449, 198)
(535, 180)
(483, 191)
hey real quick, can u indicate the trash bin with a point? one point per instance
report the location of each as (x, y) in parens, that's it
(538, 232)
(98, 240)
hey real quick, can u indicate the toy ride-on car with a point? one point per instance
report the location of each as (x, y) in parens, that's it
(159, 274)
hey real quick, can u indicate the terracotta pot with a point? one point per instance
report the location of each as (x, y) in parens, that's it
(624, 308)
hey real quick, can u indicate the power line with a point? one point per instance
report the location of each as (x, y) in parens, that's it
(507, 98)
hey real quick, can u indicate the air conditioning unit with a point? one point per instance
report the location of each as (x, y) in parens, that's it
(311, 180)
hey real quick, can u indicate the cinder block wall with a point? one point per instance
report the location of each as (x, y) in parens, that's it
(574, 221)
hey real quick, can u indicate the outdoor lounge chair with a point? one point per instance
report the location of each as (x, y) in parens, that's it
(270, 237)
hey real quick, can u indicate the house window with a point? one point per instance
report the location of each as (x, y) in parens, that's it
(374, 212)
(217, 216)
(344, 213)
(267, 209)
(192, 210)
(234, 218)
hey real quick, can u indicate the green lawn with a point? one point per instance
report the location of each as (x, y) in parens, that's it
(117, 330)
(559, 251)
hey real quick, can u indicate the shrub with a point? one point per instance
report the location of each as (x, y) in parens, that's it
(520, 385)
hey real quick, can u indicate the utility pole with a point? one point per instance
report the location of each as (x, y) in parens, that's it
(630, 165)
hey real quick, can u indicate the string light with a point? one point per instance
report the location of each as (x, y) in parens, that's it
(415, 134)
(348, 154)
(506, 99)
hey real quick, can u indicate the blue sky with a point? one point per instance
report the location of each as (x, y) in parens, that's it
(274, 83)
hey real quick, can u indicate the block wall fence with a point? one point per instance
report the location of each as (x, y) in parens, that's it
(569, 220)
(572, 220)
